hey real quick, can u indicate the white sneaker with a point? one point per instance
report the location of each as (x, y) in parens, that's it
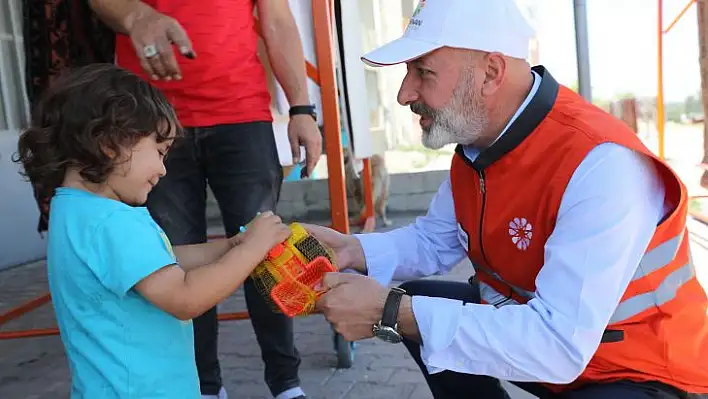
(292, 393)
(222, 395)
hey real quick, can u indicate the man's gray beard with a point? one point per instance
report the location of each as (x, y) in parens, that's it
(461, 122)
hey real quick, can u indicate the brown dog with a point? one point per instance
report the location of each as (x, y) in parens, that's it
(381, 183)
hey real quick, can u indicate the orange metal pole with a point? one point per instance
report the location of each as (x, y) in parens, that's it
(312, 73)
(368, 189)
(24, 308)
(660, 79)
(233, 316)
(321, 15)
(38, 332)
(678, 17)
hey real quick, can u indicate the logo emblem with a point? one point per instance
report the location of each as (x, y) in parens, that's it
(419, 7)
(521, 232)
(416, 22)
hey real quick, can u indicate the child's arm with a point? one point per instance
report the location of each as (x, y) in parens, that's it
(192, 256)
(188, 293)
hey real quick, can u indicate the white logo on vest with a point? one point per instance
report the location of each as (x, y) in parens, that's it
(521, 232)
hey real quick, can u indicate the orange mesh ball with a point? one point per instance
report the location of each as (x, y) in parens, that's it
(287, 277)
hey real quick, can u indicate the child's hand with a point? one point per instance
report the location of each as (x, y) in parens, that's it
(264, 232)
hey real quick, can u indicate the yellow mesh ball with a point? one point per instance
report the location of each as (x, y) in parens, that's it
(287, 277)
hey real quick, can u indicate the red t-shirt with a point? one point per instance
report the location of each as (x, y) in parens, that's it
(226, 83)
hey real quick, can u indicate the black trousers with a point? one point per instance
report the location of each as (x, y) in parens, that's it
(449, 384)
(240, 163)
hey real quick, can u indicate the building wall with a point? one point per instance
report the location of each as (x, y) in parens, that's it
(391, 124)
(19, 240)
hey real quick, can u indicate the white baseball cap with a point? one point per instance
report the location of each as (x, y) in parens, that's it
(483, 25)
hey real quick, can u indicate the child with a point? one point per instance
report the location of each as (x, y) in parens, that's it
(123, 297)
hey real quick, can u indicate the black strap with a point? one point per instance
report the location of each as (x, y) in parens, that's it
(610, 336)
(303, 110)
(390, 311)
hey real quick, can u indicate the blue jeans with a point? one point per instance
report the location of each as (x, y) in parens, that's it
(240, 163)
(449, 384)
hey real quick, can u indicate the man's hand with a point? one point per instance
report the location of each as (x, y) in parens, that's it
(153, 34)
(302, 130)
(353, 304)
(282, 41)
(348, 252)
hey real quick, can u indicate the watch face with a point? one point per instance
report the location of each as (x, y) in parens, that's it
(387, 334)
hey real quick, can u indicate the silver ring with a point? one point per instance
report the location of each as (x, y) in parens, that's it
(149, 51)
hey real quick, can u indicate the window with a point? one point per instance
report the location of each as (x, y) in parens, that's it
(14, 109)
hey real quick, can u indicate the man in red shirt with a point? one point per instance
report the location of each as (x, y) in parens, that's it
(218, 87)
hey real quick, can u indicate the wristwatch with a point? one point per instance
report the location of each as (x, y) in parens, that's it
(304, 110)
(387, 328)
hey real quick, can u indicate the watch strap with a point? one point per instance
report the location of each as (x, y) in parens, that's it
(393, 303)
(303, 110)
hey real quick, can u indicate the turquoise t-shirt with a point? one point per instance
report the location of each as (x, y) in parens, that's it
(118, 344)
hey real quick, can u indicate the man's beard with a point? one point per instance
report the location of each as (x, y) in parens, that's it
(462, 121)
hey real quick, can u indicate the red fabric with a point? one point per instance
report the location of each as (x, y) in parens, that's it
(226, 83)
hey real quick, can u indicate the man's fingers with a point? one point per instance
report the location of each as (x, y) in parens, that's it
(156, 61)
(178, 36)
(168, 61)
(313, 229)
(322, 234)
(313, 148)
(333, 280)
(321, 303)
(148, 68)
(312, 157)
(295, 148)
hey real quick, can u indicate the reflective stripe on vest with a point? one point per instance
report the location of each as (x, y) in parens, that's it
(659, 256)
(666, 291)
(652, 261)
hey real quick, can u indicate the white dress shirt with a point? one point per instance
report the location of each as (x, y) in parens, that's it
(606, 219)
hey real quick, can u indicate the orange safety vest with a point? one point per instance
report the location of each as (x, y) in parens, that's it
(507, 202)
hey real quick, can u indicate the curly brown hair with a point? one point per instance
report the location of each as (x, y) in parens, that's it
(88, 112)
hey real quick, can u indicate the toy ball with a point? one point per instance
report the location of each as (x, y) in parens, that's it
(291, 270)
